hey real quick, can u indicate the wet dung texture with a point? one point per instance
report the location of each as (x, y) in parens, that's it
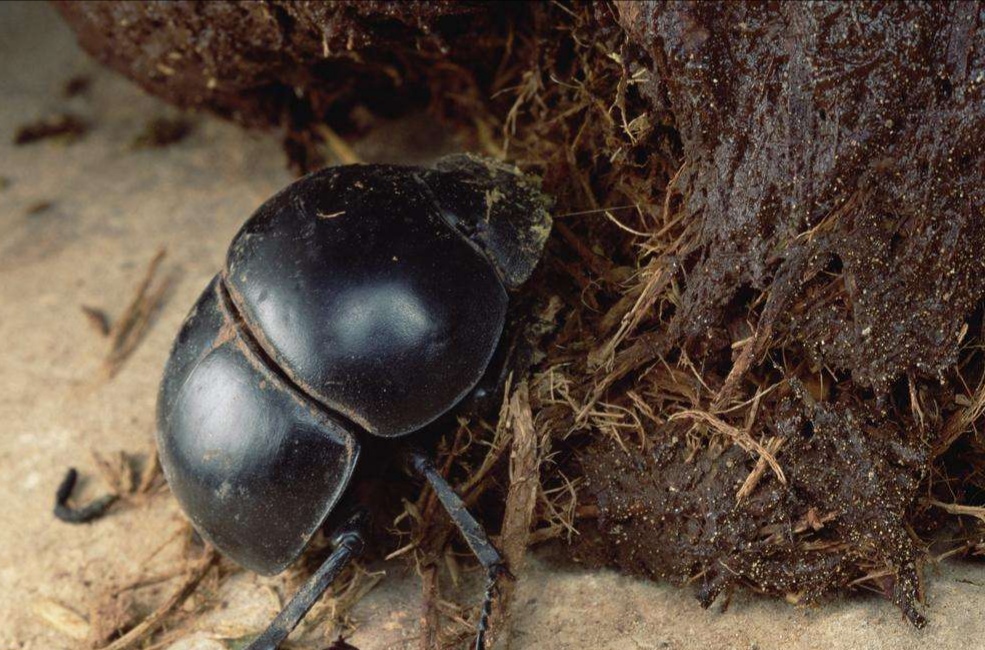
(758, 322)
(836, 150)
(670, 511)
(831, 179)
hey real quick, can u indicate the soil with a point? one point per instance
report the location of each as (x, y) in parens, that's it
(852, 482)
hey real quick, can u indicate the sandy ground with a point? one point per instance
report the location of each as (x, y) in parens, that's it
(111, 209)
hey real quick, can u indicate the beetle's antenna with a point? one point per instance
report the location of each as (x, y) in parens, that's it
(473, 532)
(349, 545)
(81, 515)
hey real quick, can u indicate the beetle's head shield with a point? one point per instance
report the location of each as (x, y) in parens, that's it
(499, 209)
(255, 465)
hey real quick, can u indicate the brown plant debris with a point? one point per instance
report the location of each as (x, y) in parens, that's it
(116, 470)
(97, 318)
(150, 473)
(77, 86)
(528, 451)
(62, 619)
(64, 127)
(430, 614)
(162, 132)
(38, 207)
(111, 616)
(128, 330)
(339, 147)
(155, 619)
(331, 616)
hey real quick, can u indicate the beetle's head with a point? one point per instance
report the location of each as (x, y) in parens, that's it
(500, 210)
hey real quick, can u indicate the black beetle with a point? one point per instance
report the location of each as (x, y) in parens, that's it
(356, 306)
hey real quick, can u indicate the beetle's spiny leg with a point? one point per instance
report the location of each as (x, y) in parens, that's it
(473, 532)
(81, 515)
(349, 545)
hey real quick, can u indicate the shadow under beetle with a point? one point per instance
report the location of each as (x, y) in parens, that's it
(356, 306)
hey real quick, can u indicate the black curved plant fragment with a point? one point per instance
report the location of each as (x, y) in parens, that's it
(81, 514)
(359, 305)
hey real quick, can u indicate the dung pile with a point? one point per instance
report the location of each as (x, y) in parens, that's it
(783, 398)
(759, 335)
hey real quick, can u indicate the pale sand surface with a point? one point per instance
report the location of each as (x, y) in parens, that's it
(112, 209)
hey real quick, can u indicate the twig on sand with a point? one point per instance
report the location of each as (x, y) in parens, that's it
(63, 619)
(156, 618)
(150, 472)
(97, 319)
(339, 147)
(129, 329)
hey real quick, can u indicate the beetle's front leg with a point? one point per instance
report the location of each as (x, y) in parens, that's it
(349, 540)
(473, 532)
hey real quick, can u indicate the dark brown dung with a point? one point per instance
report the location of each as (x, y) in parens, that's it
(832, 179)
(256, 61)
(831, 144)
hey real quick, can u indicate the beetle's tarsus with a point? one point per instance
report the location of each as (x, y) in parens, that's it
(492, 584)
(349, 545)
(84, 514)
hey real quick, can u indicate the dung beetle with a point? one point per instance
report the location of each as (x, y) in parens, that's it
(357, 306)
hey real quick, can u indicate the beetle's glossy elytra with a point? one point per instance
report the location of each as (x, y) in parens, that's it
(255, 464)
(361, 300)
(366, 298)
